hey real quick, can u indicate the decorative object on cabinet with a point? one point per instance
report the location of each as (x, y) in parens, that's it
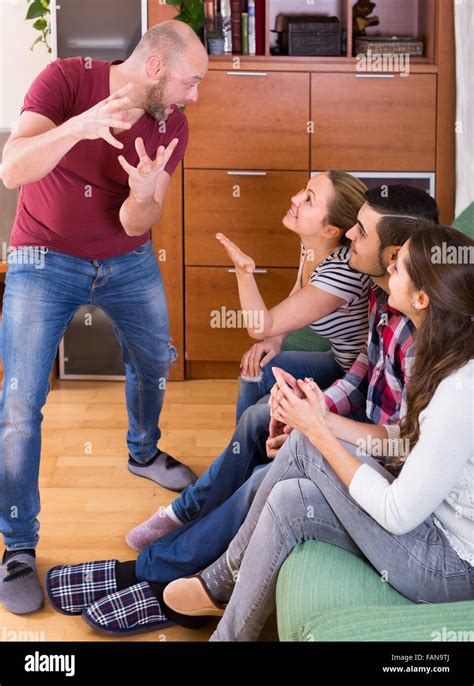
(361, 19)
(313, 35)
(392, 46)
(216, 37)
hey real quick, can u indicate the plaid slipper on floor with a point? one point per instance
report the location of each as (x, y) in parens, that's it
(72, 588)
(134, 610)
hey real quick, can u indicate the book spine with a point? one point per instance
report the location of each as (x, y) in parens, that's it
(245, 33)
(260, 27)
(236, 9)
(226, 14)
(209, 12)
(252, 37)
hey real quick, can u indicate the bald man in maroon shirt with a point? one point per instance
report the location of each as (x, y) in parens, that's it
(93, 153)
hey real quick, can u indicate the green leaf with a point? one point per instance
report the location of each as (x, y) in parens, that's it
(35, 10)
(40, 24)
(45, 4)
(40, 38)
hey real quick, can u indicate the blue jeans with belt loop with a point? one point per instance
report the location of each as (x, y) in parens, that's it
(40, 299)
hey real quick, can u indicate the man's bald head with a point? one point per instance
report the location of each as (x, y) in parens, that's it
(169, 39)
(167, 65)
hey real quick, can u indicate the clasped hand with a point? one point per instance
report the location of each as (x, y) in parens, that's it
(296, 404)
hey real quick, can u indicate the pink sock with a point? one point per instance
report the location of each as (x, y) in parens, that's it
(159, 524)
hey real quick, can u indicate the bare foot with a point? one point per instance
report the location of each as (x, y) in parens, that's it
(242, 261)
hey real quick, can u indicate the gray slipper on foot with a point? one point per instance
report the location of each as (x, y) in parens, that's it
(165, 471)
(20, 587)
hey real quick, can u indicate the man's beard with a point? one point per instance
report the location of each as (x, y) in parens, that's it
(154, 101)
(380, 270)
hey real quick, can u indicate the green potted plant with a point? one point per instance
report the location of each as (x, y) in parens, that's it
(191, 12)
(40, 12)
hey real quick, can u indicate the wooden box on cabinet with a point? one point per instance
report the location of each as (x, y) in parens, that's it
(235, 121)
(248, 208)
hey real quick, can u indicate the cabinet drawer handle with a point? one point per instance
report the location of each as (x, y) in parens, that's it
(246, 173)
(374, 76)
(246, 73)
(231, 270)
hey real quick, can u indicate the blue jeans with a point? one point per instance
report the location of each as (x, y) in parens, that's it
(221, 510)
(301, 498)
(38, 305)
(320, 366)
(195, 545)
(234, 465)
(252, 423)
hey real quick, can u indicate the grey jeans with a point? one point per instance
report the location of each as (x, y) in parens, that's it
(302, 498)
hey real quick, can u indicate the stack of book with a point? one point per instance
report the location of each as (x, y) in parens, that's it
(242, 23)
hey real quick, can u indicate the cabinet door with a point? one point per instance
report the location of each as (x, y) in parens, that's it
(250, 120)
(214, 324)
(248, 209)
(371, 123)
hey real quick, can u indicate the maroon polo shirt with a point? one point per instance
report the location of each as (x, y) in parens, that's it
(75, 208)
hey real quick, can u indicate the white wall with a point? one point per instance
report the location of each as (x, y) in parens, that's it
(18, 64)
(464, 23)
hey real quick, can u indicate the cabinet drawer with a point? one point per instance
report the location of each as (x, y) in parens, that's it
(214, 326)
(248, 209)
(246, 121)
(373, 124)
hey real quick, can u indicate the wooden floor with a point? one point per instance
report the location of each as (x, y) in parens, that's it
(90, 500)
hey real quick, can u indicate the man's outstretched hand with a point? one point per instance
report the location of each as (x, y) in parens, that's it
(143, 179)
(107, 114)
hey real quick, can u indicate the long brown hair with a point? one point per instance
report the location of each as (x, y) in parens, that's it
(445, 338)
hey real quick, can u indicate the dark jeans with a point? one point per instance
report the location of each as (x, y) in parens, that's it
(195, 545)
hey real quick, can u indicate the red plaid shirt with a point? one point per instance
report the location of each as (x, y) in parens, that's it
(379, 376)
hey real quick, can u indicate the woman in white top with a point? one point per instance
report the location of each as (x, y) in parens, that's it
(328, 294)
(416, 529)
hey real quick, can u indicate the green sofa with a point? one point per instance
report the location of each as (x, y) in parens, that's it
(327, 594)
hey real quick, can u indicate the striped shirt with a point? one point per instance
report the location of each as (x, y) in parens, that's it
(346, 327)
(378, 378)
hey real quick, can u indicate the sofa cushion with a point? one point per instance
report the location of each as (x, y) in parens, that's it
(305, 339)
(437, 622)
(317, 577)
(465, 221)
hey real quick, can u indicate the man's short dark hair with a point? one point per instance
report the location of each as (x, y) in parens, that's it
(403, 200)
(405, 209)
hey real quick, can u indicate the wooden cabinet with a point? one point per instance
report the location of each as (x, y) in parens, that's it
(248, 207)
(254, 114)
(215, 325)
(233, 124)
(364, 122)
